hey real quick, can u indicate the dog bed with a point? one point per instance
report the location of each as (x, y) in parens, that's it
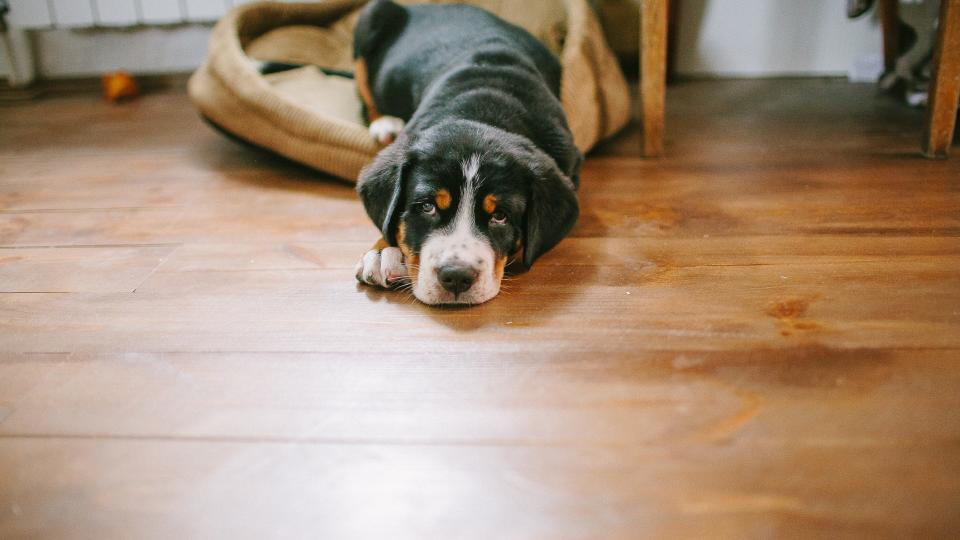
(312, 114)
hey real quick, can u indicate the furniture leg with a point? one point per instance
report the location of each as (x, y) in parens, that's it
(653, 74)
(944, 84)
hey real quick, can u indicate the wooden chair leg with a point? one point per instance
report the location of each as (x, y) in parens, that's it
(945, 83)
(673, 32)
(653, 74)
(890, 23)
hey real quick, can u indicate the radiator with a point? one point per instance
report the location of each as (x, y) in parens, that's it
(114, 13)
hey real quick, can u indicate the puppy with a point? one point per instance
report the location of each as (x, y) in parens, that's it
(482, 167)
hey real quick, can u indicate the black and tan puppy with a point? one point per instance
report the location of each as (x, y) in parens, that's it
(482, 166)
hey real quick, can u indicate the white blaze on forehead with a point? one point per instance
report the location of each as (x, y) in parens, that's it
(462, 224)
(470, 168)
(459, 243)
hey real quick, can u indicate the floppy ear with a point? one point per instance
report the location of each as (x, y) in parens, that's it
(381, 187)
(552, 208)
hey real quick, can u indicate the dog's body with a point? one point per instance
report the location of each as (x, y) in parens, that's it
(484, 167)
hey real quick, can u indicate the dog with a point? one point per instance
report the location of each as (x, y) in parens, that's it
(480, 167)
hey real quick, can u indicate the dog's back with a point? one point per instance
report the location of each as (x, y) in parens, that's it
(414, 45)
(431, 63)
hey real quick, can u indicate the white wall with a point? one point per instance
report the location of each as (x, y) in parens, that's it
(83, 13)
(772, 37)
(88, 37)
(74, 53)
(65, 53)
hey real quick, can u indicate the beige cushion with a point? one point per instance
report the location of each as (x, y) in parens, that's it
(315, 118)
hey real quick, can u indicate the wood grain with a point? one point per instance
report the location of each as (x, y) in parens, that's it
(944, 83)
(92, 269)
(259, 489)
(756, 336)
(653, 74)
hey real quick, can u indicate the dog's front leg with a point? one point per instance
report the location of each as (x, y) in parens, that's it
(382, 266)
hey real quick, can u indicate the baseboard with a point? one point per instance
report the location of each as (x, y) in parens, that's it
(91, 85)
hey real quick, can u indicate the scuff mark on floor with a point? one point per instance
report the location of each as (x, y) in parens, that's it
(791, 315)
(751, 403)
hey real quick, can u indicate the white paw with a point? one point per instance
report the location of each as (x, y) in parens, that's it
(381, 268)
(385, 129)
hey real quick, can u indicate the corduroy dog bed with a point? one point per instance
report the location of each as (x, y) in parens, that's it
(313, 115)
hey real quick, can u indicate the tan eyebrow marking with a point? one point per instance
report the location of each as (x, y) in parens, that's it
(443, 199)
(490, 203)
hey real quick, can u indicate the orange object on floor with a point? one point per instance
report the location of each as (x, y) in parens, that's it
(119, 85)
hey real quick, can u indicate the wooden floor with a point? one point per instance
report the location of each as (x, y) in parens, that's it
(756, 337)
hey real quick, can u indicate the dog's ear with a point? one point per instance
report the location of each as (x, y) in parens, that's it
(381, 187)
(379, 23)
(552, 207)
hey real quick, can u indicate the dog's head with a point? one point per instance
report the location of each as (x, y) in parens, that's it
(461, 199)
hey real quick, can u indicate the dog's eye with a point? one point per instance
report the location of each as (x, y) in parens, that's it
(428, 208)
(498, 218)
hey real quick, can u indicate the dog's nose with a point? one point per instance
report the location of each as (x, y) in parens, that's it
(456, 278)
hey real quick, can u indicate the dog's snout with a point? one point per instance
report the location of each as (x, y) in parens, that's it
(457, 278)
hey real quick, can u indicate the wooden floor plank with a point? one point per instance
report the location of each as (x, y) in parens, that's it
(839, 397)
(146, 489)
(92, 269)
(292, 310)
(669, 251)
